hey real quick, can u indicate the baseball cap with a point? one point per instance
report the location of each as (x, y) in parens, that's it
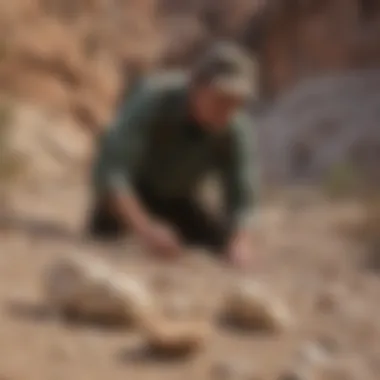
(227, 67)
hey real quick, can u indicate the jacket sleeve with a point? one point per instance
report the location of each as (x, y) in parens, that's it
(240, 174)
(124, 145)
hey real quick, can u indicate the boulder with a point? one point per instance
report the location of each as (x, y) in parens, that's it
(88, 289)
(248, 305)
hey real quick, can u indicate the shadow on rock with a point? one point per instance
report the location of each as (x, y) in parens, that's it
(41, 313)
(98, 322)
(143, 354)
(229, 324)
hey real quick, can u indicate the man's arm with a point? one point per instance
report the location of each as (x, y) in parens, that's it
(121, 155)
(240, 175)
(241, 186)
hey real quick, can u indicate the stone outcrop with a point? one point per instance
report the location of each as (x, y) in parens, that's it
(299, 39)
(324, 125)
(77, 58)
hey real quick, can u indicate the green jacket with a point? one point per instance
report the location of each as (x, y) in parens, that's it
(155, 140)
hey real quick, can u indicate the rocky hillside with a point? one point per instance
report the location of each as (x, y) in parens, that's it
(71, 55)
(326, 129)
(298, 39)
(74, 57)
(67, 54)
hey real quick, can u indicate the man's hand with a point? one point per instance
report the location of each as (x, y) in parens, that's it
(239, 251)
(160, 239)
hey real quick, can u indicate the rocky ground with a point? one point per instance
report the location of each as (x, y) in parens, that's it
(303, 257)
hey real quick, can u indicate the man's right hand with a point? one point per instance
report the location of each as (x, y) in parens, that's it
(160, 239)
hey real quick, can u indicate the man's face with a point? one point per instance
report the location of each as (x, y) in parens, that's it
(213, 108)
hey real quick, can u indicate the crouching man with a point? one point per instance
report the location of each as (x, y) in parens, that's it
(171, 132)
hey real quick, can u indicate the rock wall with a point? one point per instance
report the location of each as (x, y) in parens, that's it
(69, 55)
(298, 39)
(322, 125)
(320, 75)
(75, 57)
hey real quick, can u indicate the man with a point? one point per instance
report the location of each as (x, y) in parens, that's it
(170, 133)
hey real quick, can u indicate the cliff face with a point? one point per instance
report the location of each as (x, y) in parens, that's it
(322, 127)
(74, 56)
(299, 39)
(319, 62)
(67, 54)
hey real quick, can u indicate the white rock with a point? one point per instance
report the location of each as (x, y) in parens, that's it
(90, 289)
(176, 337)
(180, 325)
(249, 305)
(313, 354)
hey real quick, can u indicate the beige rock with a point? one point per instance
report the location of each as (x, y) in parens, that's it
(330, 299)
(180, 326)
(295, 374)
(176, 337)
(87, 288)
(233, 370)
(312, 354)
(338, 373)
(249, 305)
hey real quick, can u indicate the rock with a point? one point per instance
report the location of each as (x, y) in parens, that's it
(180, 326)
(346, 367)
(330, 299)
(313, 354)
(227, 370)
(88, 289)
(294, 374)
(338, 373)
(51, 145)
(224, 371)
(176, 338)
(248, 305)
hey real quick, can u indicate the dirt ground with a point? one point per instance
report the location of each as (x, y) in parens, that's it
(302, 257)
